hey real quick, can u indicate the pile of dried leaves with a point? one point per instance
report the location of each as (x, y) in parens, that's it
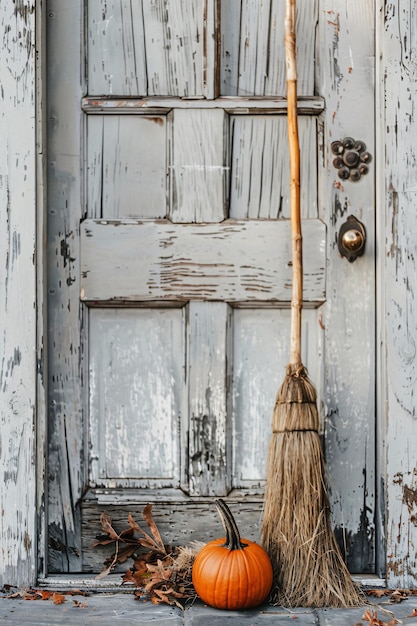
(44, 594)
(159, 571)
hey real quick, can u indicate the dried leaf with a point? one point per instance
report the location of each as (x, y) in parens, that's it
(147, 515)
(398, 596)
(372, 618)
(44, 595)
(378, 592)
(105, 521)
(80, 605)
(413, 614)
(58, 598)
(76, 592)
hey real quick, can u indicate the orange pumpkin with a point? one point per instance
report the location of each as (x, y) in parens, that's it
(232, 573)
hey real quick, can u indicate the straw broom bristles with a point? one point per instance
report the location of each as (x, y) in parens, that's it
(296, 530)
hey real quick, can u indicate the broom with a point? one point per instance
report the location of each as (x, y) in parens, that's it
(296, 531)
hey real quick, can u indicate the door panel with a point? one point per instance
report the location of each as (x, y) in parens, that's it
(260, 353)
(123, 178)
(136, 396)
(238, 261)
(259, 177)
(169, 275)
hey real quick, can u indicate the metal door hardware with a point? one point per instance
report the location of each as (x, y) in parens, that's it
(351, 158)
(351, 239)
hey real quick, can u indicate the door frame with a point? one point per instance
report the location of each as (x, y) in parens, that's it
(28, 569)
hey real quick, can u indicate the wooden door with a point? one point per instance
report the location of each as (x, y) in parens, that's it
(169, 274)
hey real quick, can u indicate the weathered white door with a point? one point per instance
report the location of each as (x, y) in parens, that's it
(169, 275)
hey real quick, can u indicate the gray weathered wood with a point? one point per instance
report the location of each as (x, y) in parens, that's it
(173, 517)
(126, 174)
(209, 358)
(18, 294)
(347, 84)
(236, 261)
(66, 469)
(252, 47)
(306, 105)
(398, 291)
(261, 348)
(139, 264)
(147, 47)
(259, 177)
(136, 396)
(199, 166)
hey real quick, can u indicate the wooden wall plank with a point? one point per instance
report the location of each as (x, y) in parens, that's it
(18, 367)
(346, 37)
(236, 261)
(207, 363)
(259, 175)
(127, 166)
(398, 290)
(199, 166)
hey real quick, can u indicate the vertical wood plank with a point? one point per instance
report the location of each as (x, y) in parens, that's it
(346, 37)
(398, 289)
(199, 166)
(209, 337)
(66, 468)
(260, 167)
(18, 529)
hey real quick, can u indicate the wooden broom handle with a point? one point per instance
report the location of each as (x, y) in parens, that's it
(294, 150)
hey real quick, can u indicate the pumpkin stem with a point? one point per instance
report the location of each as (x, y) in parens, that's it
(233, 541)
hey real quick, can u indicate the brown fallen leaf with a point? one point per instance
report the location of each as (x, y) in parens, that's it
(80, 605)
(44, 594)
(398, 596)
(413, 614)
(58, 598)
(378, 593)
(372, 618)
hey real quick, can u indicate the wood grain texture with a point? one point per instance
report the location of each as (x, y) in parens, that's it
(252, 47)
(172, 515)
(209, 359)
(150, 47)
(346, 78)
(261, 349)
(136, 396)
(127, 166)
(399, 292)
(18, 296)
(199, 168)
(259, 177)
(66, 469)
(235, 261)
